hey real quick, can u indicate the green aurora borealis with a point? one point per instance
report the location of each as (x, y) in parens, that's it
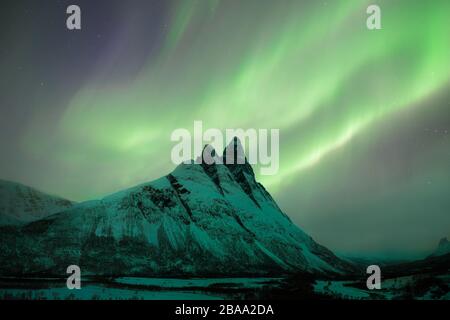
(364, 116)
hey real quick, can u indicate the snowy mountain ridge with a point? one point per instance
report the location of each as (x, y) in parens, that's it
(198, 220)
(21, 204)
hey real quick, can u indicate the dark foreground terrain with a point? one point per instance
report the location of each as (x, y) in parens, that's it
(427, 279)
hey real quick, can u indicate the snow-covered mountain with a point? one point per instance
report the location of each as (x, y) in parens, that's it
(199, 220)
(442, 248)
(20, 204)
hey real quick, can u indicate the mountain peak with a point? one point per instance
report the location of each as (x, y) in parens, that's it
(234, 158)
(186, 225)
(443, 241)
(234, 152)
(207, 156)
(442, 248)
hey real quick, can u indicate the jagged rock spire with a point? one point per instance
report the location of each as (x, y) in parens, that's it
(234, 153)
(209, 165)
(234, 158)
(207, 156)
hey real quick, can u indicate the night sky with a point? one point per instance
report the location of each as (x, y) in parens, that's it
(364, 116)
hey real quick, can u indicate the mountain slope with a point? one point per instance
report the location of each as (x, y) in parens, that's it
(20, 204)
(442, 248)
(199, 220)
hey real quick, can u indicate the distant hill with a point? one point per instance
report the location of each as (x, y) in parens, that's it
(21, 204)
(442, 248)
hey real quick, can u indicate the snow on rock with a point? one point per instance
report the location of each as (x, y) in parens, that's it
(199, 220)
(20, 204)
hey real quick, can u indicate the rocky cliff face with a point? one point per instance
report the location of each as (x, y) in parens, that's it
(199, 220)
